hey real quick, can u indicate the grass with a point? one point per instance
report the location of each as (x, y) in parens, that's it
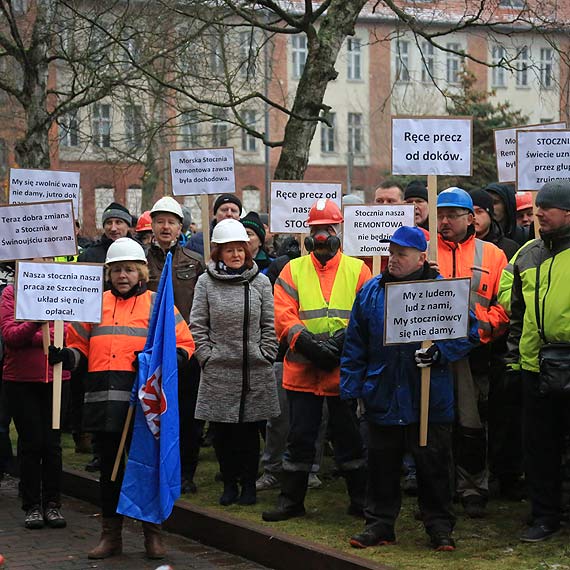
(486, 544)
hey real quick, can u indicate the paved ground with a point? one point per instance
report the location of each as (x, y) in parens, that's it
(65, 549)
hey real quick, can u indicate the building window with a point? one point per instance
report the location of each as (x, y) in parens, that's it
(134, 201)
(217, 56)
(220, 129)
(521, 65)
(454, 63)
(546, 67)
(248, 141)
(79, 213)
(132, 50)
(498, 57)
(248, 54)
(355, 133)
(353, 54)
(402, 61)
(328, 134)
(102, 125)
(299, 54)
(133, 126)
(190, 129)
(428, 69)
(103, 197)
(20, 7)
(69, 129)
(3, 157)
(251, 199)
(518, 4)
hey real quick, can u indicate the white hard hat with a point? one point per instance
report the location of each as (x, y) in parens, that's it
(229, 230)
(125, 249)
(167, 204)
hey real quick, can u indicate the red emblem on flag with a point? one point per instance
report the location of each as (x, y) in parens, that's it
(153, 401)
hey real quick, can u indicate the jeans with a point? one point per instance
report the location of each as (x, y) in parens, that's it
(39, 446)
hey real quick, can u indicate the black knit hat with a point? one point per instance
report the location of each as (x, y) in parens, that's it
(555, 194)
(416, 189)
(484, 200)
(116, 210)
(253, 222)
(224, 199)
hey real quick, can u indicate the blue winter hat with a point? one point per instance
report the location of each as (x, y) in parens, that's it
(409, 236)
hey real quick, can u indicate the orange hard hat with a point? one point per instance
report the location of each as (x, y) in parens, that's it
(524, 200)
(324, 211)
(143, 224)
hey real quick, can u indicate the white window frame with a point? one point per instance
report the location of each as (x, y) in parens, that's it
(248, 54)
(248, 141)
(355, 133)
(428, 67)
(522, 67)
(217, 55)
(103, 197)
(133, 126)
(498, 75)
(546, 68)
(402, 61)
(101, 125)
(299, 52)
(220, 129)
(453, 64)
(354, 59)
(134, 200)
(328, 135)
(69, 129)
(190, 129)
(251, 199)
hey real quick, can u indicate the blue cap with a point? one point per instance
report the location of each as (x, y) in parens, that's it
(409, 236)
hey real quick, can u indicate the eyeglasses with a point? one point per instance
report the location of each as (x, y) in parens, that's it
(451, 217)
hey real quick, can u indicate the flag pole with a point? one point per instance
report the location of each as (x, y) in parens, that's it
(122, 443)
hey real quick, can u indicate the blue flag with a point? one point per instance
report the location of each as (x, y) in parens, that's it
(152, 477)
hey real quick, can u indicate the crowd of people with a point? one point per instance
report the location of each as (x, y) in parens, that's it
(287, 348)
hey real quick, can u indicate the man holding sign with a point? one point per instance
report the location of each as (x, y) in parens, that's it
(387, 378)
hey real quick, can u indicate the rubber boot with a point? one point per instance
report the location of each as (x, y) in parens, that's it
(356, 487)
(290, 502)
(153, 541)
(248, 493)
(230, 494)
(111, 541)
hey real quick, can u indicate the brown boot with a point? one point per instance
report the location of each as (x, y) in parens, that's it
(153, 541)
(111, 541)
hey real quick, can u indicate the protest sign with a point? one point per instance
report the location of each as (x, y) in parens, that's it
(52, 291)
(426, 310)
(366, 228)
(506, 148)
(43, 186)
(39, 229)
(292, 200)
(542, 156)
(202, 171)
(432, 145)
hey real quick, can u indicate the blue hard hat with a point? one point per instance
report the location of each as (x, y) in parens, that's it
(455, 198)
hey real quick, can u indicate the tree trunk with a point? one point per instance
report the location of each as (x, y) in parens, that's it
(323, 48)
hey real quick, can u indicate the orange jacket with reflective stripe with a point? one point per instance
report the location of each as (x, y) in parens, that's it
(298, 373)
(483, 262)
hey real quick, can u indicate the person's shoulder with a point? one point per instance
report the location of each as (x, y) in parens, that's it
(192, 254)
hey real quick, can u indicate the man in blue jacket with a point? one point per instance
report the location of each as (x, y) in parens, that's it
(387, 379)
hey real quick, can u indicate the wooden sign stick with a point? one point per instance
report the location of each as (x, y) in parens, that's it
(122, 443)
(432, 256)
(205, 211)
(57, 370)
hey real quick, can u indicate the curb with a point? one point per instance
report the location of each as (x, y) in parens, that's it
(242, 538)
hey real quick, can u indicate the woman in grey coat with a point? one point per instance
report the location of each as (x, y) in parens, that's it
(232, 326)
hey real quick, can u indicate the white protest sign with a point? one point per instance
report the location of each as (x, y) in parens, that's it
(43, 186)
(426, 310)
(291, 202)
(434, 145)
(367, 227)
(202, 171)
(506, 149)
(59, 291)
(39, 229)
(542, 156)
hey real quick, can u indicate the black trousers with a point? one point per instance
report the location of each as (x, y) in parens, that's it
(39, 446)
(108, 444)
(387, 446)
(545, 422)
(190, 428)
(237, 450)
(305, 410)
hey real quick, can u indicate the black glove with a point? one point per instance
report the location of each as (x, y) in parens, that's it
(63, 355)
(427, 356)
(336, 342)
(317, 351)
(181, 358)
(136, 360)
